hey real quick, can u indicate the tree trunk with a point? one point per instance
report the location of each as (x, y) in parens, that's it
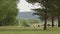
(45, 21)
(58, 21)
(52, 21)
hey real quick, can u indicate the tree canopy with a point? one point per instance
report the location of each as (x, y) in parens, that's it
(8, 11)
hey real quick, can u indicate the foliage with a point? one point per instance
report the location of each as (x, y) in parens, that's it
(24, 22)
(32, 21)
(8, 12)
(52, 8)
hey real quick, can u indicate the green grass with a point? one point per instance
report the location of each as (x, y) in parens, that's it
(28, 30)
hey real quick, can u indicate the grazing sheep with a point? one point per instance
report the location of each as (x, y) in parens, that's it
(27, 25)
(48, 25)
(38, 25)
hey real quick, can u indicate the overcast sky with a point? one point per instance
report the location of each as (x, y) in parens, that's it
(24, 6)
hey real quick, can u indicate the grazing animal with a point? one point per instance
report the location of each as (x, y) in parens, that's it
(38, 25)
(48, 25)
(27, 25)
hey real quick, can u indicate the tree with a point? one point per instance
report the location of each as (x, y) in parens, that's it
(50, 7)
(8, 12)
(42, 13)
(44, 4)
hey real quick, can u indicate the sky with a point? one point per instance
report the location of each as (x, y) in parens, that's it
(24, 6)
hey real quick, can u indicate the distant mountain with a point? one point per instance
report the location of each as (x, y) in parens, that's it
(28, 15)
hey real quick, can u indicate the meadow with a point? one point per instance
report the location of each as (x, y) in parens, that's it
(28, 30)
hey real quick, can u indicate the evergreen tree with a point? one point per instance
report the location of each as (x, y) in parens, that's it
(52, 7)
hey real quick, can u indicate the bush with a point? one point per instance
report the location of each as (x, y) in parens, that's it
(27, 22)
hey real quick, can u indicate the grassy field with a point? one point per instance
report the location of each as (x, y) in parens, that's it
(28, 30)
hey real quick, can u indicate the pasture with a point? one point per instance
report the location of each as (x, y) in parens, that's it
(28, 30)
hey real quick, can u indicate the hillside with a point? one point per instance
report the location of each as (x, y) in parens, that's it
(28, 15)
